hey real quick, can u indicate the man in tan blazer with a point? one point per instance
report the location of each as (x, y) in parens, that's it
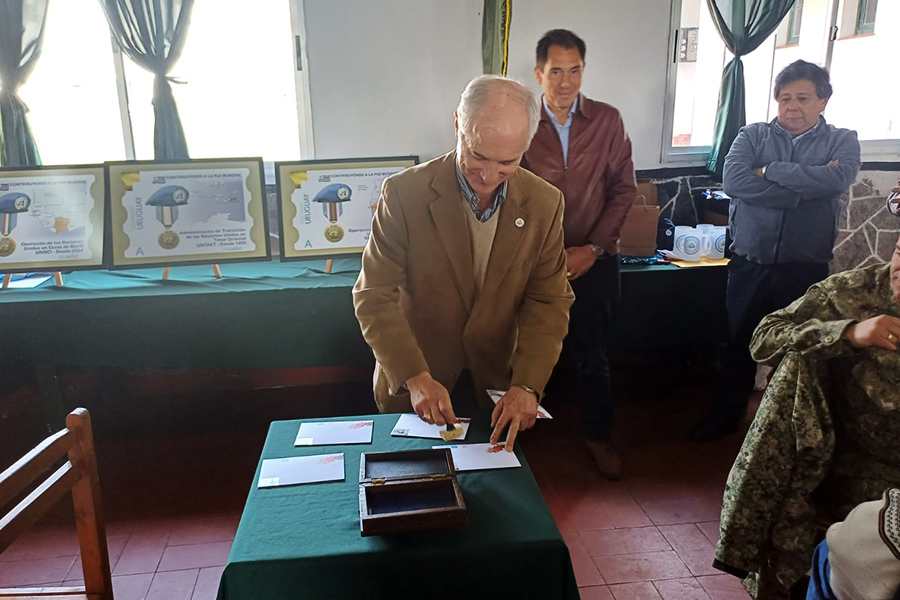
(465, 269)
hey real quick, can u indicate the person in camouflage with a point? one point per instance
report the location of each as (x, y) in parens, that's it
(827, 433)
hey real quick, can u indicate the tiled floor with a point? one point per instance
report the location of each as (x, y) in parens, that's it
(173, 503)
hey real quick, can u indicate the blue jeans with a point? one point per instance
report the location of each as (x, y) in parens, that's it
(820, 577)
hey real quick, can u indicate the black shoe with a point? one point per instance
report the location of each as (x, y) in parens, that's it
(714, 426)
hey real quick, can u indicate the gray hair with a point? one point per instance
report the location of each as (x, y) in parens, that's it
(483, 87)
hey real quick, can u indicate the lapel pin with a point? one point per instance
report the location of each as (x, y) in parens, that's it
(520, 222)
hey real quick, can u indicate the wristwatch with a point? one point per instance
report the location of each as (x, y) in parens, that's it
(762, 170)
(530, 390)
(598, 251)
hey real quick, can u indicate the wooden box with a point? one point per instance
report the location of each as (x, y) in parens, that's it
(412, 490)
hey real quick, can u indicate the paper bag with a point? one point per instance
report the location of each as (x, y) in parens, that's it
(647, 189)
(638, 236)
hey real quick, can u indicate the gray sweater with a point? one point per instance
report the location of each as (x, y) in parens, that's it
(790, 214)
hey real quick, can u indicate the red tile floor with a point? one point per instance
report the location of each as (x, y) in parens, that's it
(173, 495)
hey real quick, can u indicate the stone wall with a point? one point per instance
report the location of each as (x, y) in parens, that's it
(867, 231)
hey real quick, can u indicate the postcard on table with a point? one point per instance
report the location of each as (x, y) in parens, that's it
(277, 472)
(410, 425)
(497, 394)
(474, 457)
(334, 432)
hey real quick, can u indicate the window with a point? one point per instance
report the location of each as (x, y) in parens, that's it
(707, 54)
(853, 61)
(237, 86)
(73, 106)
(793, 25)
(865, 17)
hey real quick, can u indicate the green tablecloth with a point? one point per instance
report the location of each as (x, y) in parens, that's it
(274, 314)
(259, 315)
(304, 541)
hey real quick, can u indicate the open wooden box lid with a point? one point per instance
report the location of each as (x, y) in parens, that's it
(381, 467)
(411, 490)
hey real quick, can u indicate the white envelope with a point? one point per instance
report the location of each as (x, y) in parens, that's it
(277, 472)
(473, 457)
(334, 432)
(410, 425)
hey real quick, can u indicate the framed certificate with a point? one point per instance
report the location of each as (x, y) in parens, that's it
(325, 207)
(166, 213)
(51, 218)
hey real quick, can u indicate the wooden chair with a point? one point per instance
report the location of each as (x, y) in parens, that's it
(79, 474)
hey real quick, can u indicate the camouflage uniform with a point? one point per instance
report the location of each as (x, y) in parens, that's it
(808, 454)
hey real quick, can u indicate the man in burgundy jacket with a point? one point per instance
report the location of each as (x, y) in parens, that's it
(581, 147)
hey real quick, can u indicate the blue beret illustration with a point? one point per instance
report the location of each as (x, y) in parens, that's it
(336, 192)
(171, 195)
(14, 202)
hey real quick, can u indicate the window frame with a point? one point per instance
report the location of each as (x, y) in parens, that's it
(886, 150)
(680, 155)
(795, 17)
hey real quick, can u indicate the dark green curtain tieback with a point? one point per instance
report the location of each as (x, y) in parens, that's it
(13, 96)
(160, 75)
(162, 86)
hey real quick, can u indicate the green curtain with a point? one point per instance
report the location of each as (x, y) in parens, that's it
(152, 34)
(495, 22)
(743, 25)
(21, 37)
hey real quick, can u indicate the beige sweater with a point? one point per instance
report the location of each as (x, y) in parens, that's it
(864, 550)
(482, 238)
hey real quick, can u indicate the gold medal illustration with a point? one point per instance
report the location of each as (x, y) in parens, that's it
(331, 197)
(7, 246)
(169, 239)
(11, 205)
(167, 200)
(334, 233)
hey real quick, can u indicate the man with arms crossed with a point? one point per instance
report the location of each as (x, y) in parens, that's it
(784, 179)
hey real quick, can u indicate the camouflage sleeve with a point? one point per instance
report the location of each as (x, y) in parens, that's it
(811, 324)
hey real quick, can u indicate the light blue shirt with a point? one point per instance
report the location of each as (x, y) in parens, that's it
(562, 130)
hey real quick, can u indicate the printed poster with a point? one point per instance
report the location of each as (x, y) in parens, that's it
(327, 208)
(193, 213)
(51, 219)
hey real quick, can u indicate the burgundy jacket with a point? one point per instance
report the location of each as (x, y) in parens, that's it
(598, 184)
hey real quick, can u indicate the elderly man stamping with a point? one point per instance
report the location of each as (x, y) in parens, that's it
(464, 276)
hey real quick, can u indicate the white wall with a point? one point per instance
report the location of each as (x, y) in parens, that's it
(385, 75)
(627, 48)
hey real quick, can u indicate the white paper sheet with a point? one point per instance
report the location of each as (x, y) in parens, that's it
(277, 472)
(410, 425)
(474, 457)
(334, 432)
(497, 394)
(28, 282)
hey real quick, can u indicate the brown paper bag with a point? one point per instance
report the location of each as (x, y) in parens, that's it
(638, 237)
(647, 189)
